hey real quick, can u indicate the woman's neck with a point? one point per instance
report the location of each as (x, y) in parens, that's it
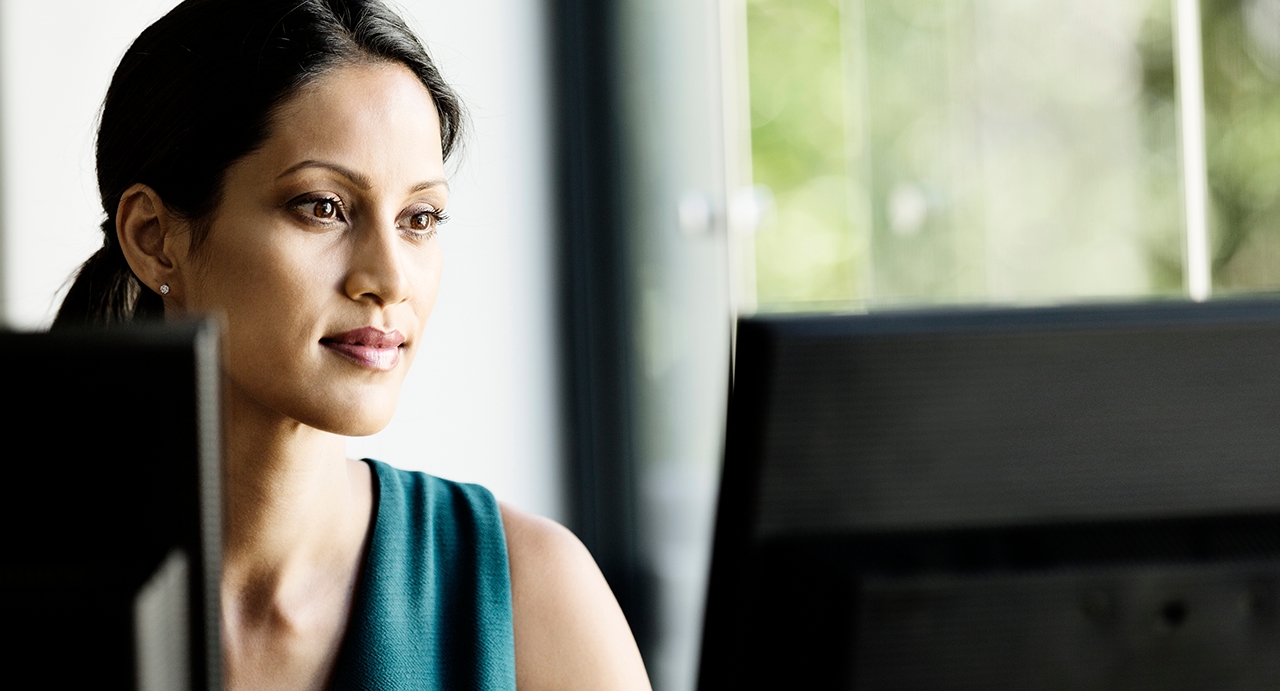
(294, 508)
(296, 515)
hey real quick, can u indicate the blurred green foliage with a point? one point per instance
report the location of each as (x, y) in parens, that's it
(927, 150)
(1242, 100)
(1164, 251)
(808, 252)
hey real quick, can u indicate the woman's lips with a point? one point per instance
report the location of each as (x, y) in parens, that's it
(367, 347)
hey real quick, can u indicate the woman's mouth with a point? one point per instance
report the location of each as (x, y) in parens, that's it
(367, 347)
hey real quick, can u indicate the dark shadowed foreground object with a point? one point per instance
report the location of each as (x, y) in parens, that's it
(1067, 498)
(110, 558)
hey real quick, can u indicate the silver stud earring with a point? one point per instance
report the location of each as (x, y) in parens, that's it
(164, 289)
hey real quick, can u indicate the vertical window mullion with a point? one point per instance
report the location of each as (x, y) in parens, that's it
(1195, 173)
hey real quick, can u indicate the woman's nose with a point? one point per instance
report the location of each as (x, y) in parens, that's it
(377, 270)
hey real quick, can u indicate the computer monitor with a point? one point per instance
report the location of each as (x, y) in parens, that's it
(1051, 498)
(109, 503)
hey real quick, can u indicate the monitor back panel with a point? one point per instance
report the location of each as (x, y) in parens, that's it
(1084, 498)
(110, 508)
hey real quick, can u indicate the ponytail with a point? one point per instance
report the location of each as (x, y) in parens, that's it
(106, 292)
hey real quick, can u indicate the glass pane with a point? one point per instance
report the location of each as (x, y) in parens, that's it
(964, 150)
(810, 252)
(1242, 133)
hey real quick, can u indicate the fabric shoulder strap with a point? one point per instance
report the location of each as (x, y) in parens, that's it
(432, 608)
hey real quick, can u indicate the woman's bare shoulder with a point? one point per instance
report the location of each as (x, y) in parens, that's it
(570, 632)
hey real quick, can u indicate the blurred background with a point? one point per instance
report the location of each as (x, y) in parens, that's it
(640, 172)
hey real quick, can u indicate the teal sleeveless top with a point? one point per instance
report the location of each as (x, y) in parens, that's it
(432, 607)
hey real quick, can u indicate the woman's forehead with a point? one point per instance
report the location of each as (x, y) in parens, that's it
(372, 121)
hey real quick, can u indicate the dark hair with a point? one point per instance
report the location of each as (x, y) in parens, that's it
(197, 91)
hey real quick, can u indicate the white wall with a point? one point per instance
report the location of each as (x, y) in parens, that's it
(50, 92)
(481, 404)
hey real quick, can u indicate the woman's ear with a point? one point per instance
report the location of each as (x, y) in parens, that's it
(147, 232)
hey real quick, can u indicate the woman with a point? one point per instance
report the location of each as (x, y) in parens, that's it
(280, 163)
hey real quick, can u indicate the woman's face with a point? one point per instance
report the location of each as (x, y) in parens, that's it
(322, 254)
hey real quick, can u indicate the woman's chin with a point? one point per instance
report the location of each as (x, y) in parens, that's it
(365, 430)
(355, 419)
(361, 423)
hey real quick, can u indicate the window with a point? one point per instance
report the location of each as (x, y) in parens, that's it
(924, 151)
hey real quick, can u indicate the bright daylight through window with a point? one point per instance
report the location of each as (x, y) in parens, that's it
(925, 151)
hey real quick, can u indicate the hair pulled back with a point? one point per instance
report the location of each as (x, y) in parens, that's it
(197, 91)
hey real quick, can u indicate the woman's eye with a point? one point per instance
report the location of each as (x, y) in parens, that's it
(421, 221)
(425, 222)
(323, 209)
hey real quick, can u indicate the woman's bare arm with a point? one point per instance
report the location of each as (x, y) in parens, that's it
(569, 630)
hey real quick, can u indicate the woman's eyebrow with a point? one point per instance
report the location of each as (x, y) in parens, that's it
(359, 179)
(430, 184)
